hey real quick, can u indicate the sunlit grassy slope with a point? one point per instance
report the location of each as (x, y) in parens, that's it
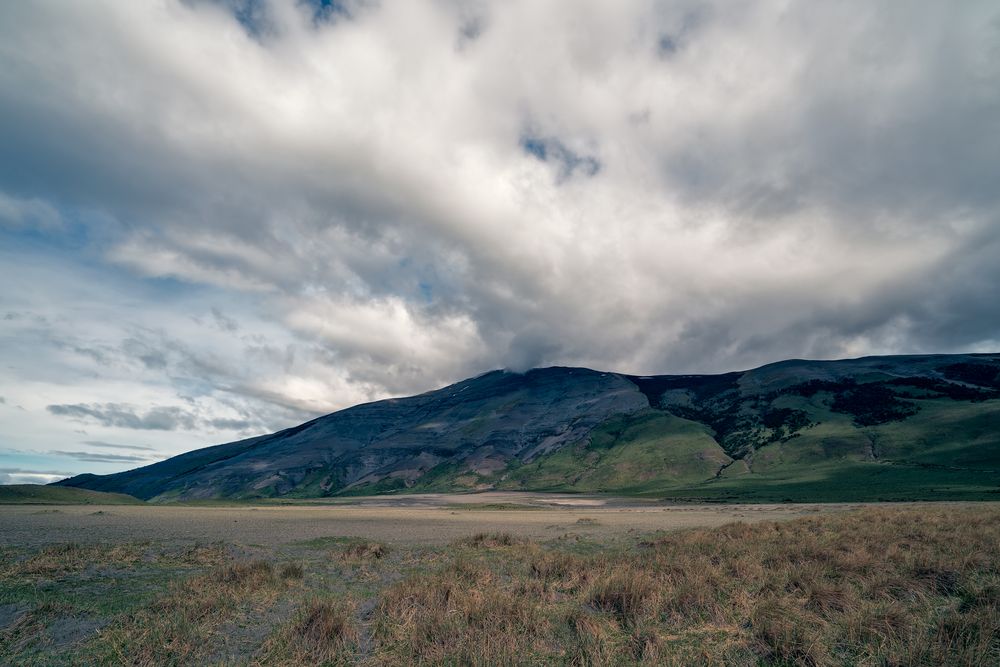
(630, 454)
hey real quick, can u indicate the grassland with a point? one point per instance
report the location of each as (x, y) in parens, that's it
(873, 585)
(433, 520)
(37, 494)
(653, 450)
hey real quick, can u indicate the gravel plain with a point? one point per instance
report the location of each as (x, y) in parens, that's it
(416, 519)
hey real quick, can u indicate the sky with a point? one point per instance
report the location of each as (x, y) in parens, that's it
(219, 218)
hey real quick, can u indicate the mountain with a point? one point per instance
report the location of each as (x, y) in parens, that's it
(876, 428)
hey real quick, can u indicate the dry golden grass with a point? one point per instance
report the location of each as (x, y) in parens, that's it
(175, 629)
(630, 593)
(490, 540)
(883, 587)
(462, 615)
(361, 551)
(61, 559)
(879, 587)
(291, 571)
(322, 632)
(198, 555)
(557, 567)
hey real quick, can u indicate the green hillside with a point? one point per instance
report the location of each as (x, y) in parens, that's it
(36, 494)
(946, 449)
(631, 454)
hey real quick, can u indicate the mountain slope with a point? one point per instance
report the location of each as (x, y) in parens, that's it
(878, 427)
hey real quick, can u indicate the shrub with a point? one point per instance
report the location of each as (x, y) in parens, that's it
(291, 571)
(627, 592)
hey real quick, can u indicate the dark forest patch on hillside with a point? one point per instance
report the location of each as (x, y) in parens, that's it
(983, 375)
(956, 392)
(701, 387)
(872, 403)
(880, 402)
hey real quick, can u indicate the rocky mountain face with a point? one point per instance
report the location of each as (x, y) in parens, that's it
(879, 427)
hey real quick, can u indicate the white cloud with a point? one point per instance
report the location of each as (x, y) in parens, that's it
(16, 476)
(16, 212)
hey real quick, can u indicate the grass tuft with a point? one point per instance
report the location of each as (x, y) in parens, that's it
(291, 571)
(321, 632)
(362, 551)
(251, 574)
(59, 560)
(629, 593)
(490, 540)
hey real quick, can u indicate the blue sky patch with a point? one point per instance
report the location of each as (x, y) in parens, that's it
(567, 161)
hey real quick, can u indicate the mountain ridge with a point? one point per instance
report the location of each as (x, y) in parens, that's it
(899, 427)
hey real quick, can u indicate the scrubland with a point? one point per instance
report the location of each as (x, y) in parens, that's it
(879, 585)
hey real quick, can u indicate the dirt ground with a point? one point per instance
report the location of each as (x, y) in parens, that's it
(418, 519)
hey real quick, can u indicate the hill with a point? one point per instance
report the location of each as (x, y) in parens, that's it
(38, 494)
(876, 428)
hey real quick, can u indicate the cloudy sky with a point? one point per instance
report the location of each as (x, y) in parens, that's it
(221, 218)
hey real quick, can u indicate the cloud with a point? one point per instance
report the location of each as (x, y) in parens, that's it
(123, 416)
(223, 322)
(273, 209)
(109, 445)
(28, 212)
(101, 457)
(21, 476)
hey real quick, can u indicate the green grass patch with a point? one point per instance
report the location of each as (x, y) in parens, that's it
(38, 494)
